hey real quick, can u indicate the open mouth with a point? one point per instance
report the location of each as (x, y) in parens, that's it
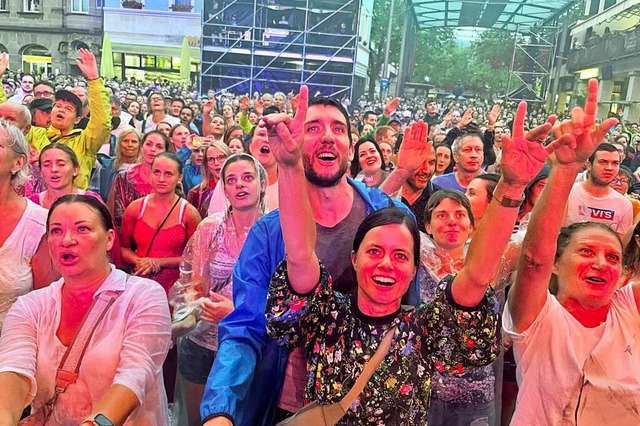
(68, 258)
(265, 149)
(383, 281)
(242, 194)
(326, 156)
(371, 162)
(595, 280)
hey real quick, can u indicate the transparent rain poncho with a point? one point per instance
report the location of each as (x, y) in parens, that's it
(207, 265)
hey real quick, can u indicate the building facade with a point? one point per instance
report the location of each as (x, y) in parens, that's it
(147, 36)
(603, 43)
(42, 36)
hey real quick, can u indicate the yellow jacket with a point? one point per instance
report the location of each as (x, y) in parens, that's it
(37, 136)
(86, 143)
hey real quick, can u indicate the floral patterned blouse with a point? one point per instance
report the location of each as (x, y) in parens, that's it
(339, 340)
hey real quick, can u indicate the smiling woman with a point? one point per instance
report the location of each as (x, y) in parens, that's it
(368, 165)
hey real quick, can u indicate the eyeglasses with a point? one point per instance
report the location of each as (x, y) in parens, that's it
(217, 159)
(624, 181)
(45, 94)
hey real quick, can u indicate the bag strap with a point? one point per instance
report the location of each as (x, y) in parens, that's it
(369, 369)
(69, 367)
(155, 234)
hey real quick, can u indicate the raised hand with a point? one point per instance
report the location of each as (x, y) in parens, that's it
(524, 155)
(447, 119)
(87, 64)
(244, 104)
(582, 129)
(466, 118)
(258, 107)
(4, 62)
(295, 101)
(493, 115)
(391, 107)
(286, 134)
(415, 148)
(207, 107)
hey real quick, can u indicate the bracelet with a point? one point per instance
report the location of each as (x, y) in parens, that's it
(508, 202)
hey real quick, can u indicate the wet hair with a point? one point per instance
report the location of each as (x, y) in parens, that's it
(491, 180)
(323, 100)
(70, 153)
(631, 254)
(603, 147)
(93, 203)
(19, 147)
(259, 169)
(355, 164)
(452, 162)
(564, 238)
(206, 174)
(447, 194)
(165, 139)
(227, 133)
(170, 156)
(241, 143)
(389, 216)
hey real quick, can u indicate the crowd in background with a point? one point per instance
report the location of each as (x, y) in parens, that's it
(251, 253)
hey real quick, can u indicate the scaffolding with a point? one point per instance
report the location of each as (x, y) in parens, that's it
(263, 46)
(534, 52)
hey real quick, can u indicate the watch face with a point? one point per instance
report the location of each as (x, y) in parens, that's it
(102, 420)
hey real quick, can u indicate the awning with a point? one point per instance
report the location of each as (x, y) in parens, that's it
(143, 49)
(503, 14)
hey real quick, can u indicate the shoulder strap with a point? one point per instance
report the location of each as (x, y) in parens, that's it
(183, 207)
(160, 226)
(69, 367)
(368, 370)
(143, 207)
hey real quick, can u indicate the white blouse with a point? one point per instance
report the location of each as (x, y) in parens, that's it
(128, 348)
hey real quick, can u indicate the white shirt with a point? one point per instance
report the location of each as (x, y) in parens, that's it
(16, 276)
(613, 209)
(127, 348)
(556, 350)
(150, 125)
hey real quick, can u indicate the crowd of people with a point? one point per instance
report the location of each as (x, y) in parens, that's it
(171, 258)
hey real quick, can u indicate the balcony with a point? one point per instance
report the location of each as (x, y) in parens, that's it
(603, 50)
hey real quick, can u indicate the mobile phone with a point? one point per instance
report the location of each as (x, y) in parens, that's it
(197, 141)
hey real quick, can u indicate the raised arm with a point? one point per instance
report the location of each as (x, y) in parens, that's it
(286, 136)
(529, 292)
(99, 126)
(414, 151)
(523, 157)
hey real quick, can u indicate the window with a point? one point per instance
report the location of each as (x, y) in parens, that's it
(80, 6)
(181, 5)
(31, 6)
(132, 61)
(3, 4)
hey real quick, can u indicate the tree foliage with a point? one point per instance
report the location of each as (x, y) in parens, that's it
(482, 66)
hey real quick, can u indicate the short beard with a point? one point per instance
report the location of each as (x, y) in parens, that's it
(323, 181)
(599, 182)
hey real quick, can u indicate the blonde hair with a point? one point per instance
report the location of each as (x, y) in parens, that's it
(127, 130)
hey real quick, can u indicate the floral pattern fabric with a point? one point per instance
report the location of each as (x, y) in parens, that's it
(339, 340)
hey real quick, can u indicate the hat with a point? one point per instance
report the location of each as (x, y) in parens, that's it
(542, 174)
(394, 119)
(41, 104)
(65, 95)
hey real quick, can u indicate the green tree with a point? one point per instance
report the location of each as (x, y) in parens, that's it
(492, 55)
(381, 12)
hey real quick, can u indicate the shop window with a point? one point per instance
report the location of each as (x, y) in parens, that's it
(80, 6)
(132, 61)
(163, 62)
(148, 61)
(31, 6)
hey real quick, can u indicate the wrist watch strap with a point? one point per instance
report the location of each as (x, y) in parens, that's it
(508, 202)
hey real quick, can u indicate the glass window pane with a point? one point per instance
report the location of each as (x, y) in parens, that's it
(163, 62)
(132, 60)
(149, 61)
